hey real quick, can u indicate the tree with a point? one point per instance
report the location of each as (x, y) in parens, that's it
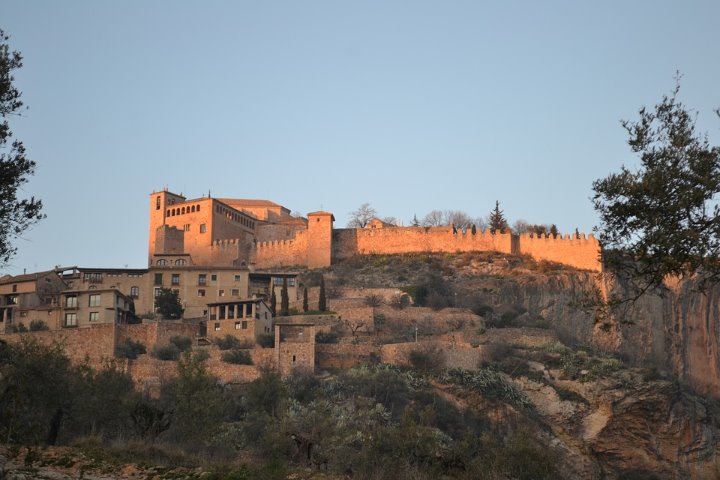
(305, 300)
(662, 219)
(360, 217)
(273, 301)
(284, 299)
(15, 215)
(554, 230)
(168, 303)
(415, 222)
(497, 220)
(434, 219)
(322, 300)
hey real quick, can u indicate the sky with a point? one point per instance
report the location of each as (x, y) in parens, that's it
(410, 106)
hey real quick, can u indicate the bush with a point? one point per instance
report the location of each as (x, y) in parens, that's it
(400, 301)
(326, 337)
(181, 342)
(437, 301)
(482, 309)
(129, 349)
(38, 325)
(19, 328)
(427, 360)
(168, 352)
(228, 342)
(237, 357)
(374, 300)
(266, 340)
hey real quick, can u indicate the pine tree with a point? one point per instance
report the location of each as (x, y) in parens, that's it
(305, 300)
(322, 301)
(284, 300)
(273, 301)
(497, 220)
(415, 221)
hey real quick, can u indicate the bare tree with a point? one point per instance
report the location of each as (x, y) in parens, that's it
(360, 217)
(457, 218)
(394, 221)
(521, 226)
(436, 218)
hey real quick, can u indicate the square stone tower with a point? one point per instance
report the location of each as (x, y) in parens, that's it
(319, 239)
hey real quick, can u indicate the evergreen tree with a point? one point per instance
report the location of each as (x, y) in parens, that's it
(305, 300)
(16, 215)
(168, 304)
(322, 301)
(284, 300)
(273, 301)
(497, 220)
(415, 221)
(553, 230)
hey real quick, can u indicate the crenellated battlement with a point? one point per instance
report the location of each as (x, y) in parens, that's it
(580, 237)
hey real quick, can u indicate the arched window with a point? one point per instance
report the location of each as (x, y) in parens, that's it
(183, 210)
(180, 261)
(157, 203)
(134, 292)
(168, 212)
(161, 263)
(198, 208)
(192, 208)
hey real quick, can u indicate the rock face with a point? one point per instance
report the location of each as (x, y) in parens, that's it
(677, 333)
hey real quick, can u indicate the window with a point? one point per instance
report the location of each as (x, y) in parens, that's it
(213, 278)
(221, 312)
(135, 292)
(157, 292)
(70, 320)
(244, 324)
(279, 281)
(175, 279)
(221, 293)
(217, 327)
(94, 316)
(202, 279)
(237, 325)
(231, 311)
(158, 279)
(71, 301)
(23, 314)
(237, 278)
(203, 229)
(157, 203)
(95, 300)
(161, 263)
(93, 277)
(201, 292)
(235, 292)
(15, 288)
(180, 261)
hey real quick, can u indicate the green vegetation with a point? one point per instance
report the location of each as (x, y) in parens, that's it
(168, 304)
(38, 326)
(129, 349)
(266, 340)
(237, 357)
(326, 337)
(284, 299)
(322, 300)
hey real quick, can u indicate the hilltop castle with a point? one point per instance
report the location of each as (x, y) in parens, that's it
(263, 234)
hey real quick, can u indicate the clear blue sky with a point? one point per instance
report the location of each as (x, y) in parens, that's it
(409, 105)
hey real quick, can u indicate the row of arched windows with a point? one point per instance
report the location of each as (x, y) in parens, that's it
(183, 210)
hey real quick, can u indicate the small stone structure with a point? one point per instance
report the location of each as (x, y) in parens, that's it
(294, 347)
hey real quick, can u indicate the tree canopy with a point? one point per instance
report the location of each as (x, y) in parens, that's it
(662, 218)
(497, 220)
(168, 303)
(16, 214)
(362, 216)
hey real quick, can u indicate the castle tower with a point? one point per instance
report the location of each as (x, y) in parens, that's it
(319, 239)
(159, 204)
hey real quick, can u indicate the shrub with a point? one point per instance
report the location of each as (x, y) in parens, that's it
(482, 309)
(326, 337)
(38, 325)
(427, 360)
(400, 301)
(237, 357)
(129, 349)
(437, 301)
(181, 342)
(266, 340)
(19, 328)
(374, 300)
(167, 352)
(228, 342)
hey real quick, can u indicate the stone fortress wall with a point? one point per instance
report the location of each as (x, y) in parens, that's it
(263, 234)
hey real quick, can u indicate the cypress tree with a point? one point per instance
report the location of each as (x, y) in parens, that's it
(322, 302)
(273, 301)
(284, 300)
(305, 300)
